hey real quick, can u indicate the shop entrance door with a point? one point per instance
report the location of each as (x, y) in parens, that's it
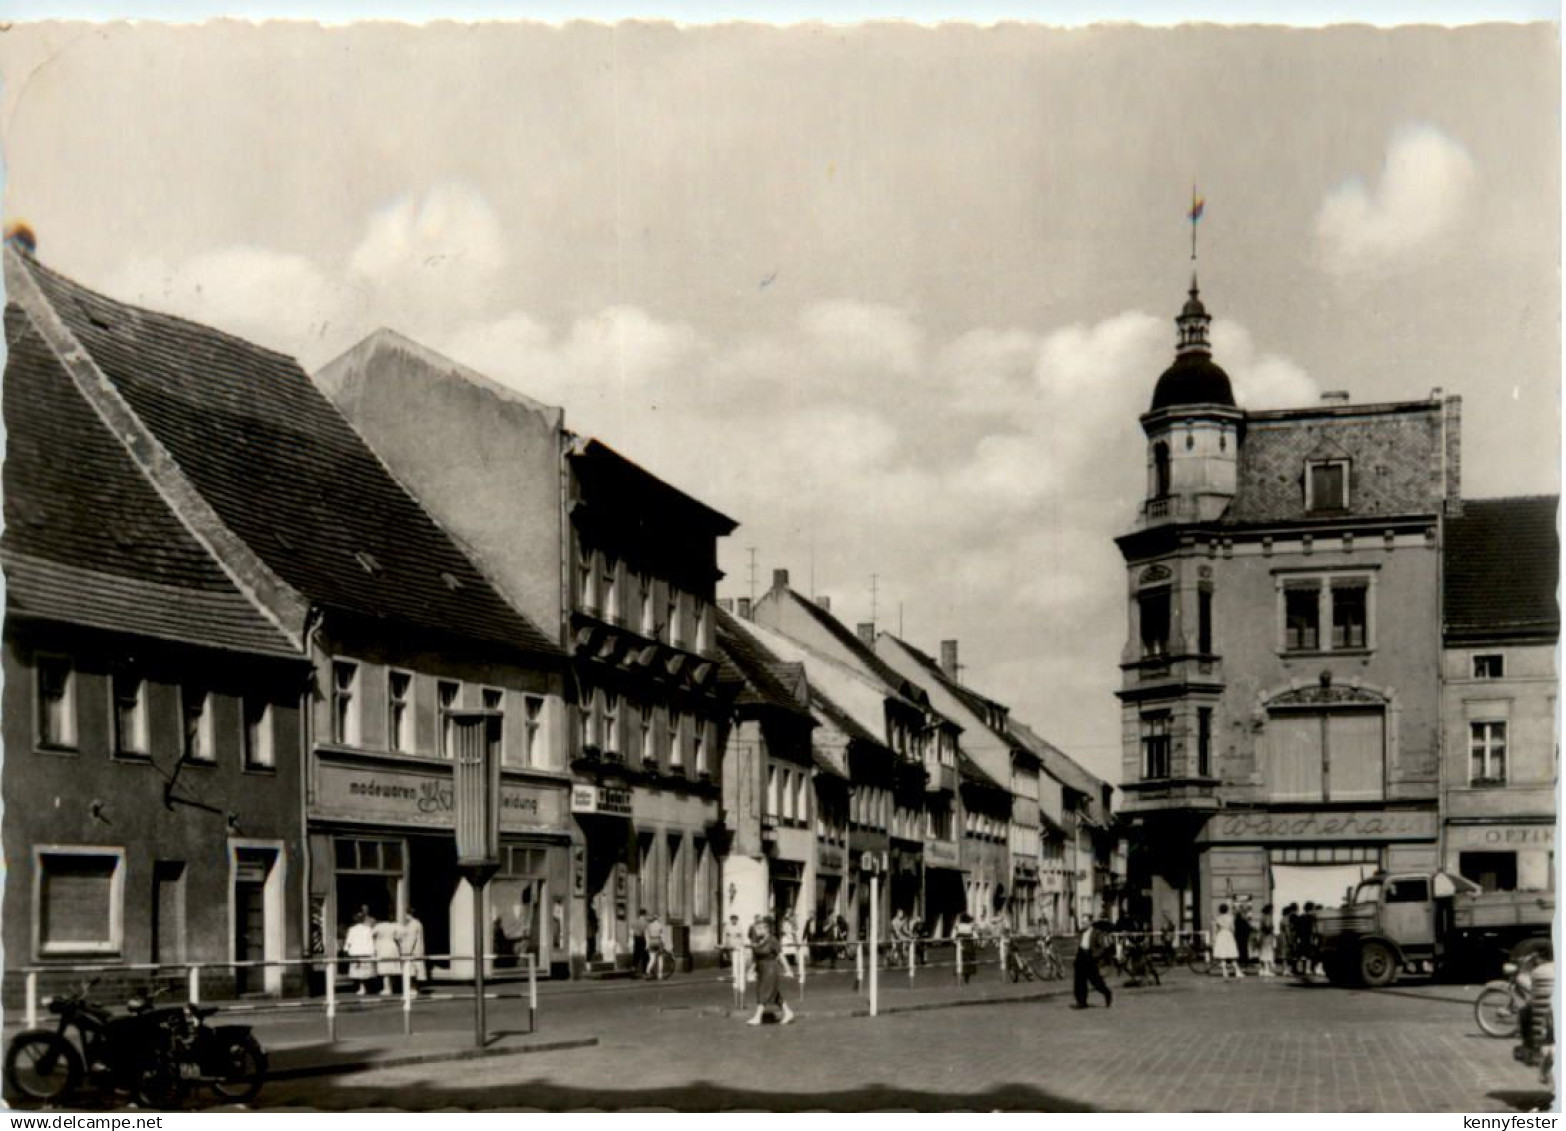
(251, 869)
(607, 925)
(432, 885)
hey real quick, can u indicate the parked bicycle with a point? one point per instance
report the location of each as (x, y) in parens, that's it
(1033, 960)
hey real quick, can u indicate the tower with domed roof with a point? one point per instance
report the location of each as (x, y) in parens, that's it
(1193, 429)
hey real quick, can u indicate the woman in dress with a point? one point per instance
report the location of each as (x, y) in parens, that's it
(768, 992)
(388, 958)
(359, 946)
(1226, 952)
(1267, 950)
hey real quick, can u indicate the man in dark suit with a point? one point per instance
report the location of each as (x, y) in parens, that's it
(1092, 939)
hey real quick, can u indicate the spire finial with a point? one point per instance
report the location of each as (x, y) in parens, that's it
(1197, 206)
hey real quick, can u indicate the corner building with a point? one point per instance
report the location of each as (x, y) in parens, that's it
(1280, 691)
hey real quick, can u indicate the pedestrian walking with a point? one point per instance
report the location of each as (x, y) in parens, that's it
(639, 942)
(966, 933)
(901, 937)
(359, 946)
(657, 968)
(1092, 939)
(1242, 935)
(387, 957)
(410, 945)
(793, 952)
(769, 992)
(1267, 951)
(1226, 951)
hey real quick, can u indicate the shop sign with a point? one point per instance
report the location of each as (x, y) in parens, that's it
(1344, 826)
(614, 801)
(940, 853)
(427, 799)
(1500, 836)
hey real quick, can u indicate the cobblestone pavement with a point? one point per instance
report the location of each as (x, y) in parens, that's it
(1198, 1044)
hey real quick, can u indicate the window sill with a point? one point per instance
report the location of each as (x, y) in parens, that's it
(135, 757)
(1488, 783)
(58, 751)
(1321, 653)
(261, 771)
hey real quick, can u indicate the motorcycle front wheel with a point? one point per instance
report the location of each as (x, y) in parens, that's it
(42, 1065)
(242, 1070)
(1495, 1010)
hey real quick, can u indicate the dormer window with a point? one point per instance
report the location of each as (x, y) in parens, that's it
(1326, 485)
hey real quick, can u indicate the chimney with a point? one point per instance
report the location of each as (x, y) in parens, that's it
(726, 604)
(825, 602)
(866, 632)
(780, 579)
(1335, 396)
(949, 663)
(744, 608)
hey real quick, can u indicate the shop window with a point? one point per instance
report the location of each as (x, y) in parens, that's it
(533, 730)
(345, 713)
(676, 902)
(448, 695)
(259, 752)
(196, 710)
(79, 897)
(701, 886)
(399, 710)
(1489, 665)
(56, 703)
(1153, 609)
(1487, 752)
(130, 714)
(1326, 485)
(1493, 871)
(1155, 746)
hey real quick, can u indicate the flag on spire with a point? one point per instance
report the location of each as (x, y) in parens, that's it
(1197, 205)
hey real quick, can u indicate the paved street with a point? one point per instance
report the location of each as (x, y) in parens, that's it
(1193, 1044)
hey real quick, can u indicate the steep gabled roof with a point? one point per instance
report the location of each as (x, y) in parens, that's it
(1061, 766)
(862, 652)
(751, 673)
(978, 705)
(283, 471)
(1501, 563)
(88, 540)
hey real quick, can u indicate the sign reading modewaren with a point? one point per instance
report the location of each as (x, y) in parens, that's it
(414, 797)
(1348, 825)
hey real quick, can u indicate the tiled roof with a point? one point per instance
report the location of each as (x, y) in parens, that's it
(977, 704)
(1501, 567)
(841, 719)
(1060, 765)
(971, 771)
(749, 671)
(286, 472)
(88, 540)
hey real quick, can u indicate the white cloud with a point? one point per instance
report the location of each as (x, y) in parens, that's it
(1260, 381)
(445, 247)
(1425, 184)
(864, 335)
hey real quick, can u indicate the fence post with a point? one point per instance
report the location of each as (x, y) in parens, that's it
(331, 1000)
(407, 998)
(32, 999)
(532, 993)
(859, 967)
(913, 949)
(959, 960)
(802, 958)
(737, 967)
(193, 991)
(1003, 967)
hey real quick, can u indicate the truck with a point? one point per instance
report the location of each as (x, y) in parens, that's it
(1435, 921)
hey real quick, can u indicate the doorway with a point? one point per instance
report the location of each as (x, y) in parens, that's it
(256, 915)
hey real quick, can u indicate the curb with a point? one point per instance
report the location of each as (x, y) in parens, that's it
(907, 1007)
(368, 1064)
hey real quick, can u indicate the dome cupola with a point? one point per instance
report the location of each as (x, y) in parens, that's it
(1194, 378)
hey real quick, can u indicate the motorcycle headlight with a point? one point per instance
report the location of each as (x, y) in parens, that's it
(52, 1004)
(136, 1004)
(1509, 969)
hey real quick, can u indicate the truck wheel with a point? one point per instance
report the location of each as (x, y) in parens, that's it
(1377, 966)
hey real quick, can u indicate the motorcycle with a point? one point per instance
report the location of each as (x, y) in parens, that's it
(1536, 1025)
(154, 1054)
(1500, 1003)
(115, 1051)
(227, 1059)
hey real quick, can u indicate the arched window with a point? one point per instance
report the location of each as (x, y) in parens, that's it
(1160, 470)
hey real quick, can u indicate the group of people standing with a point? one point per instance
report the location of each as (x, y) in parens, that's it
(376, 949)
(1288, 945)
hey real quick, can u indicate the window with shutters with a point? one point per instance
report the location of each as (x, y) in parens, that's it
(1327, 485)
(1325, 755)
(79, 900)
(56, 703)
(1327, 612)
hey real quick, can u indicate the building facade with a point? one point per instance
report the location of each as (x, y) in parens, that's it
(1280, 690)
(152, 737)
(620, 569)
(1501, 625)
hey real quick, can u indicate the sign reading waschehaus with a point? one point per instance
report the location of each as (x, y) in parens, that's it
(417, 797)
(1349, 825)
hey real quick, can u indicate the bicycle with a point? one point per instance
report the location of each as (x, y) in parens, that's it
(1043, 964)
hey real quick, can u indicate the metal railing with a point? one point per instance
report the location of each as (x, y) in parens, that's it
(330, 967)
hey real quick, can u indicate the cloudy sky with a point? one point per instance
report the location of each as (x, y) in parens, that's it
(892, 297)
